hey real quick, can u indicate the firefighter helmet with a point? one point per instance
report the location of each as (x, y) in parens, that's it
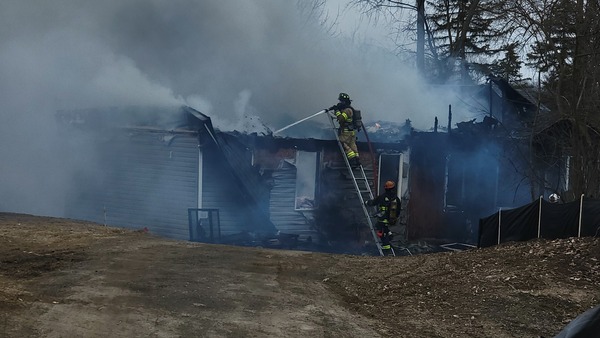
(344, 97)
(389, 185)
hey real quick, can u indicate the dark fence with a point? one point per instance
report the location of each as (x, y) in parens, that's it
(541, 219)
(205, 225)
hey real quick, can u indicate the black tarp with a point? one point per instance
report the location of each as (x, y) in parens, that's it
(558, 220)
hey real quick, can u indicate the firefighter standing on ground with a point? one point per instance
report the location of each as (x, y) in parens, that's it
(388, 207)
(344, 113)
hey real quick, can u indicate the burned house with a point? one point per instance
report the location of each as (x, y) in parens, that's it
(470, 170)
(170, 172)
(174, 174)
(146, 168)
(312, 193)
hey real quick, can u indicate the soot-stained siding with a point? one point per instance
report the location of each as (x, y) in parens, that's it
(222, 189)
(237, 188)
(426, 185)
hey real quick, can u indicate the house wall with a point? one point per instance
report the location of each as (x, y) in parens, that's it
(514, 189)
(149, 174)
(426, 186)
(472, 187)
(221, 190)
(282, 205)
(458, 178)
(145, 180)
(149, 179)
(278, 162)
(339, 215)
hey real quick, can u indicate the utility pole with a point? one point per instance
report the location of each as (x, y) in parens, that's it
(421, 36)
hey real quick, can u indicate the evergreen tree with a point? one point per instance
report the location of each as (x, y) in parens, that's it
(470, 36)
(565, 38)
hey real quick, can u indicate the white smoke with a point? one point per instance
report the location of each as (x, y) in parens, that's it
(265, 61)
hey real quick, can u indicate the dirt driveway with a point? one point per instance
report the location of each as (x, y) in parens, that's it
(62, 278)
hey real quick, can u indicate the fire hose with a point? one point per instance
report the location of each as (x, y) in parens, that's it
(304, 119)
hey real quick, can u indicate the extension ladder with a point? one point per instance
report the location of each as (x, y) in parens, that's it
(363, 190)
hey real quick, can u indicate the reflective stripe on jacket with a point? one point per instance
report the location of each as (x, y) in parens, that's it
(389, 208)
(344, 118)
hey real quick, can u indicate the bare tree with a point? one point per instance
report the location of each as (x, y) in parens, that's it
(561, 41)
(564, 39)
(472, 36)
(373, 8)
(462, 37)
(314, 11)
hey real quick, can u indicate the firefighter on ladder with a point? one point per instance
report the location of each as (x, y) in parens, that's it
(388, 207)
(344, 113)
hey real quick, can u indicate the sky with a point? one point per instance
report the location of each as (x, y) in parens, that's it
(273, 60)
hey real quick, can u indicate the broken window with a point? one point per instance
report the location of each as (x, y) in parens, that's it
(307, 164)
(454, 184)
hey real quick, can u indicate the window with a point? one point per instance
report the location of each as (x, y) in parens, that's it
(454, 183)
(307, 164)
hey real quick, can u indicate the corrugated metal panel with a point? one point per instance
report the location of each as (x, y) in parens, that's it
(151, 181)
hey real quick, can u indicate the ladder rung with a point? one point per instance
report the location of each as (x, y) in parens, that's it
(363, 177)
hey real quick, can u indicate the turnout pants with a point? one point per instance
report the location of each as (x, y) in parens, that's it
(384, 234)
(348, 139)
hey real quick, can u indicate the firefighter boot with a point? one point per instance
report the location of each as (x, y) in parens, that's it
(387, 250)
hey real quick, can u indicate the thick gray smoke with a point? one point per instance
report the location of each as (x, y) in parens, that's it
(265, 58)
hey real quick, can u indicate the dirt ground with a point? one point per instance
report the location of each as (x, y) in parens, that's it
(63, 278)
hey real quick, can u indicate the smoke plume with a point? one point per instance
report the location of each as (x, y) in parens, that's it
(269, 59)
